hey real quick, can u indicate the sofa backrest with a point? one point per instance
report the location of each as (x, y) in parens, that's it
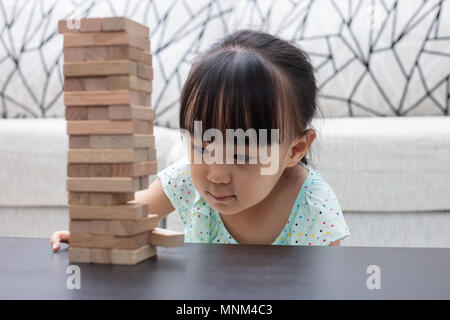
(372, 58)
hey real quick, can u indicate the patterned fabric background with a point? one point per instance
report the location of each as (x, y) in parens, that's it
(373, 57)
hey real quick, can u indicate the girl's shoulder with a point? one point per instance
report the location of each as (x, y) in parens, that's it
(319, 211)
(177, 184)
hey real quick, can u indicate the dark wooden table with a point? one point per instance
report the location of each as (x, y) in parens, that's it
(30, 270)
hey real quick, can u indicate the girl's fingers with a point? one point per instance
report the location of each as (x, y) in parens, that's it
(64, 236)
(57, 237)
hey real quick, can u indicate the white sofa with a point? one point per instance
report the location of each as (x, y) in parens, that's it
(391, 176)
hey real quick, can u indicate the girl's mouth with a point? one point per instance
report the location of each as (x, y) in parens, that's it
(222, 199)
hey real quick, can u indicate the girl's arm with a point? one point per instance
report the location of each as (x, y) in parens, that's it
(335, 243)
(154, 196)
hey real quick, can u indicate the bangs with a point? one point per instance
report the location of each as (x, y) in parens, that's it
(234, 89)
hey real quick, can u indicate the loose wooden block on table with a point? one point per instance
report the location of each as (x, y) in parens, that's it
(88, 184)
(110, 241)
(106, 97)
(114, 227)
(136, 169)
(121, 52)
(107, 127)
(166, 238)
(111, 256)
(99, 198)
(129, 211)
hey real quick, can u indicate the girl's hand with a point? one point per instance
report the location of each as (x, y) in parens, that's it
(57, 237)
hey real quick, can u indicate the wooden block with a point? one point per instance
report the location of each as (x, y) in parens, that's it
(124, 24)
(132, 257)
(85, 83)
(73, 54)
(151, 154)
(144, 71)
(79, 255)
(99, 170)
(100, 255)
(112, 256)
(79, 54)
(91, 24)
(99, 198)
(79, 226)
(129, 82)
(98, 113)
(124, 228)
(79, 198)
(166, 238)
(79, 142)
(99, 68)
(134, 169)
(106, 127)
(107, 155)
(75, 170)
(120, 82)
(100, 39)
(144, 182)
(76, 113)
(116, 184)
(109, 241)
(106, 97)
(144, 141)
(121, 141)
(144, 126)
(110, 199)
(79, 170)
(129, 211)
(103, 53)
(130, 53)
(114, 227)
(105, 68)
(86, 25)
(129, 112)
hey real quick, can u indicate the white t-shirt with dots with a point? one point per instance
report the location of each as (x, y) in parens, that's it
(316, 217)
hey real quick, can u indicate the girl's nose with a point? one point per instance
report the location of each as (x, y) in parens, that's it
(217, 174)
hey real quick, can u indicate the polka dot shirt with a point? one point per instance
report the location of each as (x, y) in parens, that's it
(316, 217)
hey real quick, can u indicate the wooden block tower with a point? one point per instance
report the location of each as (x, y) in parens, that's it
(107, 93)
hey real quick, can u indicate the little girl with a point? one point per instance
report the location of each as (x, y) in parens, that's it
(247, 80)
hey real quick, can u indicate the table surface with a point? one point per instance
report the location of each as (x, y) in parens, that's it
(30, 270)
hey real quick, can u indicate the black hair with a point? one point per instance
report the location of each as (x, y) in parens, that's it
(251, 79)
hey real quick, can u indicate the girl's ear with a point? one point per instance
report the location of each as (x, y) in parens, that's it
(300, 146)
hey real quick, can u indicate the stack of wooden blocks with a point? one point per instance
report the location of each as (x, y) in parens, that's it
(107, 93)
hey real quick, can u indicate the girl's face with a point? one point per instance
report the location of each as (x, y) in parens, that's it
(240, 186)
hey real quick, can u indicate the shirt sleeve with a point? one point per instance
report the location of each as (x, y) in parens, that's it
(177, 185)
(326, 214)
